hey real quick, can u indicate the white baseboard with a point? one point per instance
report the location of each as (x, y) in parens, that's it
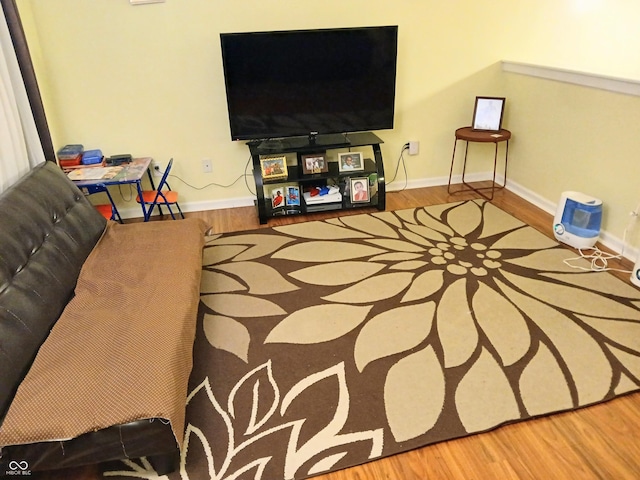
(437, 181)
(203, 206)
(607, 239)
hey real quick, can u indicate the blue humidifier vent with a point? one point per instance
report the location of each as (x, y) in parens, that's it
(578, 220)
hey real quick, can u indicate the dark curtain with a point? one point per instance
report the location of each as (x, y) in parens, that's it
(29, 76)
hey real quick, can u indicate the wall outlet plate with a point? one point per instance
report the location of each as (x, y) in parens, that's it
(157, 172)
(414, 148)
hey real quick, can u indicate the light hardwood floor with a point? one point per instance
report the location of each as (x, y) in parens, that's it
(598, 442)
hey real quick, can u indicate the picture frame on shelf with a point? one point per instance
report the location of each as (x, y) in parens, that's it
(487, 114)
(273, 167)
(359, 190)
(278, 199)
(350, 162)
(314, 163)
(292, 198)
(373, 184)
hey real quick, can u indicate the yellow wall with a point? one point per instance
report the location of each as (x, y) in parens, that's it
(148, 80)
(576, 138)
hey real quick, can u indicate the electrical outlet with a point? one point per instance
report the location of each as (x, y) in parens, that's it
(414, 147)
(156, 168)
(207, 167)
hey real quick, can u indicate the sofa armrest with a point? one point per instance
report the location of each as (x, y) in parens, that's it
(47, 230)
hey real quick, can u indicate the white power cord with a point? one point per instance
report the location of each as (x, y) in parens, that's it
(599, 260)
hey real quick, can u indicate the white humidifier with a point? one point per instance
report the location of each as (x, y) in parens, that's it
(635, 274)
(578, 220)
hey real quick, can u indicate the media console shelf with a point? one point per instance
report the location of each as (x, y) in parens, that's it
(303, 175)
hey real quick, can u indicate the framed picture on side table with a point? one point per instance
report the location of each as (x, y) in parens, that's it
(487, 114)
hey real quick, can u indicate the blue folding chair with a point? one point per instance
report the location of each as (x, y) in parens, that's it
(105, 209)
(159, 197)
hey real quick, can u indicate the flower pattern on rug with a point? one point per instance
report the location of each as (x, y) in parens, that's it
(445, 320)
(240, 436)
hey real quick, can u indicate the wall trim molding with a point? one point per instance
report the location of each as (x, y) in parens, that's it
(602, 82)
(607, 239)
(202, 206)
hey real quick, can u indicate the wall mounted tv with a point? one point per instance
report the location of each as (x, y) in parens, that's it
(310, 82)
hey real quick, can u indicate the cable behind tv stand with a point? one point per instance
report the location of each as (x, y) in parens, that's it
(295, 178)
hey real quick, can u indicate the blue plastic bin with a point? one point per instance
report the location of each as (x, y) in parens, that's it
(91, 157)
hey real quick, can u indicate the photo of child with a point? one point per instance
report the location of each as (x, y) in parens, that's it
(351, 161)
(359, 190)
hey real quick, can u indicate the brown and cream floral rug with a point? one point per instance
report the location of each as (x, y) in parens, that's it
(326, 344)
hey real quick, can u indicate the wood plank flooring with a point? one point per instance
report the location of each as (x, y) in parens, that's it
(598, 442)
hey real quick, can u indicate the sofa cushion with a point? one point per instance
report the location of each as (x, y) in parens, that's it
(122, 349)
(47, 229)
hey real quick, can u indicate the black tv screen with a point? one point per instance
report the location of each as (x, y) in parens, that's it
(309, 82)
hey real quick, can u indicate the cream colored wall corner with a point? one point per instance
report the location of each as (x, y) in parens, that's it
(571, 137)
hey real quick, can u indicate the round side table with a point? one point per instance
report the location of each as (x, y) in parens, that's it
(468, 134)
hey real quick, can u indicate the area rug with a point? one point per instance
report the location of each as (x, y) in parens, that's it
(327, 344)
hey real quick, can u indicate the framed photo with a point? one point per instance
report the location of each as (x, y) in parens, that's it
(314, 163)
(350, 162)
(293, 195)
(273, 167)
(278, 197)
(487, 113)
(359, 190)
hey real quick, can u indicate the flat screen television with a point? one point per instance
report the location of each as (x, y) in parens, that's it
(310, 82)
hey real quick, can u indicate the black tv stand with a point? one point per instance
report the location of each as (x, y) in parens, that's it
(328, 147)
(336, 140)
(272, 144)
(329, 139)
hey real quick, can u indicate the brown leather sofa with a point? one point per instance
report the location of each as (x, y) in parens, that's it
(50, 234)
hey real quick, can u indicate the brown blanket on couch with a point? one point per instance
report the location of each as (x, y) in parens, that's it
(122, 349)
